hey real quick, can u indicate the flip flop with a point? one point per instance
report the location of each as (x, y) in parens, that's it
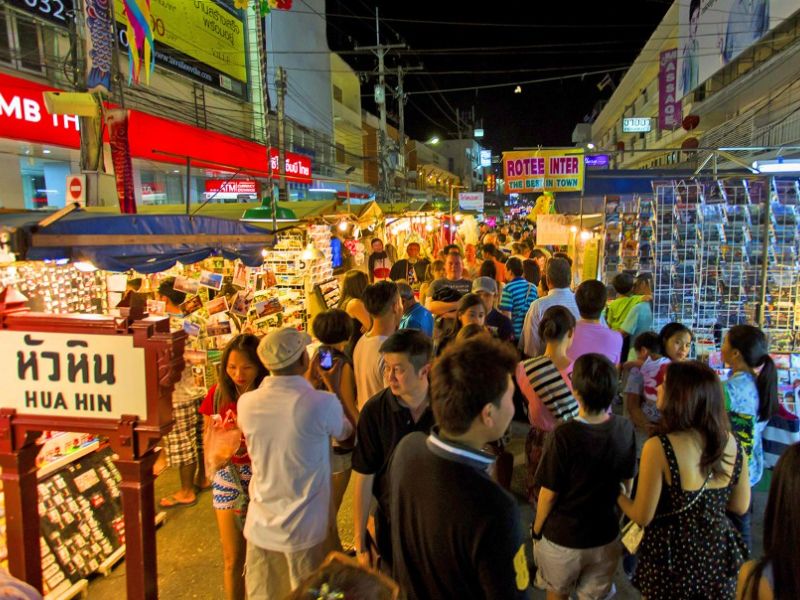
(172, 502)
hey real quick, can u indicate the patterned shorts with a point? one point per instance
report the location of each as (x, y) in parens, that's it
(226, 492)
(181, 442)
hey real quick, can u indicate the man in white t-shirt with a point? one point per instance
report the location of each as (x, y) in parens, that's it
(382, 301)
(287, 425)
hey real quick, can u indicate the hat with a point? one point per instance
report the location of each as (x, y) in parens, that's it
(484, 284)
(279, 349)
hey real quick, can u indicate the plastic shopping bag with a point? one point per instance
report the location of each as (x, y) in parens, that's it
(222, 440)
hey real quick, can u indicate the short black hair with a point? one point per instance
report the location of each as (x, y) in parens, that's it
(376, 240)
(488, 269)
(452, 248)
(563, 255)
(378, 297)
(405, 290)
(514, 265)
(559, 272)
(649, 340)
(594, 378)
(556, 322)
(332, 326)
(532, 272)
(489, 249)
(411, 342)
(466, 377)
(591, 298)
(502, 238)
(538, 253)
(167, 288)
(623, 283)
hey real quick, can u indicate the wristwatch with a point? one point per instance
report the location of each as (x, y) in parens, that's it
(536, 536)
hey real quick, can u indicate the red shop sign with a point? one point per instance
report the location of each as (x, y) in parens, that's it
(234, 186)
(23, 117)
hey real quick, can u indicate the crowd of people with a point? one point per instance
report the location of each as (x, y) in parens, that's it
(409, 396)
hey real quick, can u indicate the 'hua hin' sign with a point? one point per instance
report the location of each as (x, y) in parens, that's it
(72, 375)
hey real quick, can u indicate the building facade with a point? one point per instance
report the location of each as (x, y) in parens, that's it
(741, 94)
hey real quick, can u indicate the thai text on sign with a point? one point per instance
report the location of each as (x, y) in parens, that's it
(543, 170)
(72, 375)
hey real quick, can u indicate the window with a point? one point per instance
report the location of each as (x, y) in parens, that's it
(337, 93)
(5, 41)
(21, 42)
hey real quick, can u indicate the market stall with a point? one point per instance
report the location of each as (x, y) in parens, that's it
(237, 278)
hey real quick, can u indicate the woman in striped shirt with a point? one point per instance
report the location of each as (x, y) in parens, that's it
(544, 382)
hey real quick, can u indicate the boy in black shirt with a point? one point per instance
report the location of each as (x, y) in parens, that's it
(455, 532)
(584, 462)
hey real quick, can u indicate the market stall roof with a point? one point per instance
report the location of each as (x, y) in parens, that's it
(148, 243)
(303, 210)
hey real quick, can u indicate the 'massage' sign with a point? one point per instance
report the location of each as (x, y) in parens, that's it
(72, 375)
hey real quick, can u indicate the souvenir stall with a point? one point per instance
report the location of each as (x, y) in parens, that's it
(722, 252)
(236, 277)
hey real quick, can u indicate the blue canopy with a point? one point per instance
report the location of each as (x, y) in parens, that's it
(145, 243)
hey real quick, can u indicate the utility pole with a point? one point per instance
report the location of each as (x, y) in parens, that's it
(380, 51)
(280, 86)
(262, 60)
(401, 101)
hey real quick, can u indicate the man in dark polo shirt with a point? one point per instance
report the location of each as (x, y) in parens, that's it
(455, 533)
(386, 418)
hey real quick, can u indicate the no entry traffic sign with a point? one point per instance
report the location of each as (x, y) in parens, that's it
(76, 189)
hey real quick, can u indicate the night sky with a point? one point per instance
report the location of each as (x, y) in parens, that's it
(551, 39)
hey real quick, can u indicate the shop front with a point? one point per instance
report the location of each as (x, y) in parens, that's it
(172, 162)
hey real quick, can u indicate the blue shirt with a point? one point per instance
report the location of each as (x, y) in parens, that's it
(638, 320)
(516, 298)
(741, 398)
(418, 318)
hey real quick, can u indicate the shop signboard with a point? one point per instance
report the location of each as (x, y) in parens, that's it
(532, 171)
(202, 39)
(24, 117)
(552, 230)
(72, 375)
(470, 201)
(58, 12)
(596, 161)
(669, 103)
(232, 186)
(712, 33)
(636, 125)
(486, 158)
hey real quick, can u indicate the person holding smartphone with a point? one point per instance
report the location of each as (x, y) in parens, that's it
(331, 370)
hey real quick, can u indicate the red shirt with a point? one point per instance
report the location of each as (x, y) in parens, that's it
(207, 408)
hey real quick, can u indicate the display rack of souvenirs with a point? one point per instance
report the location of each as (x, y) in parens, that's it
(711, 243)
(629, 235)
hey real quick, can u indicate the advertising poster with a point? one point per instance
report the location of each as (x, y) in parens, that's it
(669, 103)
(711, 33)
(204, 40)
(531, 171)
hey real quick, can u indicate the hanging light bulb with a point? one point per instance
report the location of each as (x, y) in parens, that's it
(312, 253)
(428, 227)
(343, 225)
(586, 235)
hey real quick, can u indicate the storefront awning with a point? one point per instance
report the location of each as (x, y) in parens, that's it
(145, 243)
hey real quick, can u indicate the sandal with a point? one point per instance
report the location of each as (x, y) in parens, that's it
(172, 501)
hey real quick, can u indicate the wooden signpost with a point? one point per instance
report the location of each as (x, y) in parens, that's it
(92, 374)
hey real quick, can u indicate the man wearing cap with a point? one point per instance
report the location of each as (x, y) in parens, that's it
(287, 425)
(499, 324)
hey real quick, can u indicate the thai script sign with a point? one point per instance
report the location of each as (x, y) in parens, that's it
(72, 375)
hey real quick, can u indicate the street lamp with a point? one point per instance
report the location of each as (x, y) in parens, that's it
(433, 141)
(453, 187)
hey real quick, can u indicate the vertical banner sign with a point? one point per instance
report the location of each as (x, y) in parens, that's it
(532, 171)
(669, 104)
(117, 121)
(99, 44)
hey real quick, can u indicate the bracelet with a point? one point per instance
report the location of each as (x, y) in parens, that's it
(536, 536)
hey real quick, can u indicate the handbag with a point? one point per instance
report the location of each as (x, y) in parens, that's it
(633, 533)
(222, 438)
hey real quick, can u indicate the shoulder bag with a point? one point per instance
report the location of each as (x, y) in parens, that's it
(633, 533)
